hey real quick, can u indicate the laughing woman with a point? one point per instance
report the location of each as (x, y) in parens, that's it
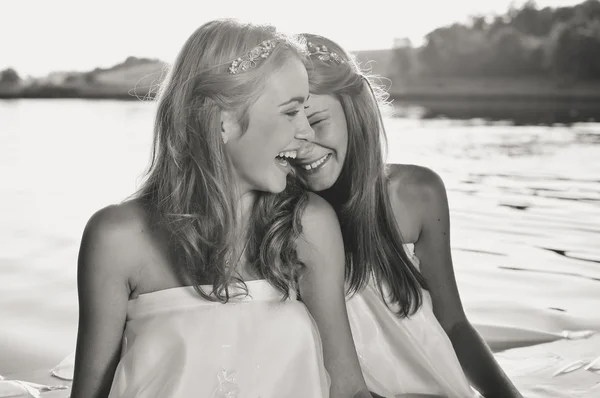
(407, 320)
(188, 290)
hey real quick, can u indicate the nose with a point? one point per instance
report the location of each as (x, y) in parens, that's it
(304, 131)
(304, 152)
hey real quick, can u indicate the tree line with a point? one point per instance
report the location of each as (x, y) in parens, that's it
(558, 42)
(561, 42)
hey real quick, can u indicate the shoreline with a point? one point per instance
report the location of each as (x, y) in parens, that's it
(404, 88)
(410, 97)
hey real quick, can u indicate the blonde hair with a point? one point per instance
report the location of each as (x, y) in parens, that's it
(189, 189)
(372, 240)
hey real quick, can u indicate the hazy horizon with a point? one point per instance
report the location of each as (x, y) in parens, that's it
(68, 35)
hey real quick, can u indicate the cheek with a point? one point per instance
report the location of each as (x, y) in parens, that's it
(342, 137)
(279, 135)
(259, 136)
(335, 136)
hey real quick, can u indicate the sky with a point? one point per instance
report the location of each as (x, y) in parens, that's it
(41, 36)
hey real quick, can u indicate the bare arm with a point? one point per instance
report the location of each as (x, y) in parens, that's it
(105, 257)
(433, 250)
(323, 292)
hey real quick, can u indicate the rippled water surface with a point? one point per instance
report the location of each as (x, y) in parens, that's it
(524, 201)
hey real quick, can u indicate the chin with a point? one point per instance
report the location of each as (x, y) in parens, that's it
(318, 185)
(277, 190)
(276, 186)
(269, 181)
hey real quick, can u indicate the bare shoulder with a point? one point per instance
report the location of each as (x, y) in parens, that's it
(321, 235)
(112, 247)
(416, 194)
(114, 240)
(318, 212)
(118, 225)
(411, 182)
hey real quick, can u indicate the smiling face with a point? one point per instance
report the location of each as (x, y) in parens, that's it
(321, 159)
(276, 119)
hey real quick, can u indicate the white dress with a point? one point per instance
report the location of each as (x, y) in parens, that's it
(410, 355)
(178, 345)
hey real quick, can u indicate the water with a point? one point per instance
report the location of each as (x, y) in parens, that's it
(524, 201)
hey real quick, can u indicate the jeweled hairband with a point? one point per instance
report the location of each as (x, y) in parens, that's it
(264, 49)
(249, 60)
(323, 54)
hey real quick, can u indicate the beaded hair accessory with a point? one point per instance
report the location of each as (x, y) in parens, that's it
(322, 53)
(250, 59)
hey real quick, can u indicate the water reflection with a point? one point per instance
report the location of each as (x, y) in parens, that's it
(518, 112)
(524, 201)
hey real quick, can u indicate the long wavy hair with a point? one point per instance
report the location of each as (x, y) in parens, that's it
(372, 239)
(189, 188)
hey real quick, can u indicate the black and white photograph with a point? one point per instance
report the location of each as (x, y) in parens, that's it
(300, 199)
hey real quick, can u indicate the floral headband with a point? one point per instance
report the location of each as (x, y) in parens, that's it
(250, 59)
(322, 53)
(264, 49)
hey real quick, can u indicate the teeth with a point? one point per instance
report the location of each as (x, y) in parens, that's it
(288, 154)
(316, 163)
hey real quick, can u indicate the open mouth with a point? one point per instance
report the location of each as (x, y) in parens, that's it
(315, 165)
(283, 157)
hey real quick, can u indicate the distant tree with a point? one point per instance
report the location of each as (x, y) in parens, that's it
(508, 53)
(574, 49)
(479, 23)
(523, 41)
(71, 79)
(525, 19)
(430, 55)
(89, 77)
(456, 50)
(535, 62)
(587, 11)
(563, 14)
(9, 76)
(499, 22)
(402, 60)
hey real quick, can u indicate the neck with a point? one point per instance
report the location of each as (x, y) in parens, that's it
(336, 195)
(244, 199)
(245, 203)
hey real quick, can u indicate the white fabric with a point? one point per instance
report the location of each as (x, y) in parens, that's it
(410, 355)
(177, 344)
(24, 389)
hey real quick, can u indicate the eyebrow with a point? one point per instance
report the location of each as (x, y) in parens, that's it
(300, 100)
(316, 113)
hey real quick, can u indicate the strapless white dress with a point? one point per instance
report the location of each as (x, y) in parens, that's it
(178, 345)
(410, 355)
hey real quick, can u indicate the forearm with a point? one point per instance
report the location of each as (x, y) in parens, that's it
(479, 363)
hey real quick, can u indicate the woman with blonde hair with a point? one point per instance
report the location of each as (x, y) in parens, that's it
(407, 320)
(189, 289)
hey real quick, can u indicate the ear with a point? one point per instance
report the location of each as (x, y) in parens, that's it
(230, 127)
